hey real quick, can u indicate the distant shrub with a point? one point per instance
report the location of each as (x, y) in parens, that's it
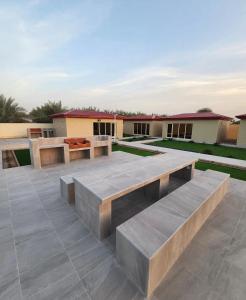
(192, 142)
(207, 151)
(216, 144)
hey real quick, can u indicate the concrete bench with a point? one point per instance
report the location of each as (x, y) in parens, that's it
(67, 188)
(148, 244)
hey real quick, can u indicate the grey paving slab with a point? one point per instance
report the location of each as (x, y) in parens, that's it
(212, 243)
(40, 276)
(27, 225)
(69, 288)
(37, 250)
(10, 286)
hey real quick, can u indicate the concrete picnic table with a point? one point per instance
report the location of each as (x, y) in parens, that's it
(94, 193)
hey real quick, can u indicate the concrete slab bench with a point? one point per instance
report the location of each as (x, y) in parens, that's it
(148, 244)
(94, 194)
(67, 188)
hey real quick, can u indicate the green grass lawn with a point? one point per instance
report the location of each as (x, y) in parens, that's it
(137, 138)
(200, 165)
(116, 147)
(232, 152)
(235, 173)
(23, 157)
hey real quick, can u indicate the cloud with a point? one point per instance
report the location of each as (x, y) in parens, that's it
(31, 33)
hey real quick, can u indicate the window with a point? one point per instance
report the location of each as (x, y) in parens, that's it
(175, 130)
(141, 128)
(108, 129)
(101, 128)
(112, 132)
(95, 128)
(182, 131)
(188, 133)
(147, 129)
(179, 130)
(169, 130)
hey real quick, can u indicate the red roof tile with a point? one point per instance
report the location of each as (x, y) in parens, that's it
(143, 118)
(198, 116)
(86, 114)
(242, 117)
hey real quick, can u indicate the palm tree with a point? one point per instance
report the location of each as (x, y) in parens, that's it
(10, 111)
(41, 114)
(204, 109)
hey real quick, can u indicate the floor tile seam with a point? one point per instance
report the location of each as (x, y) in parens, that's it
(49, 285)
(14, 242)
(86, 252)
(60, 240)
(98, 265)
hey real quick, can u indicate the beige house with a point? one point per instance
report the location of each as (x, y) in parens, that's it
(77, 123)
(241, 140)
(207, 128)
(143, 125)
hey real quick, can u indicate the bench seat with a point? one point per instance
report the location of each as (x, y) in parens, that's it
(148, 244)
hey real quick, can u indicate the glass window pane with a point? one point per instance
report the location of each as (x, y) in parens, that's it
(169, 130)
(102, 129)
(182, 131)
(135, 128)
(112, 129)
(147, 129)
(175, 130)
(188, 134)
(143, 128)
(139, 128)
(95, 129)
(108, 131)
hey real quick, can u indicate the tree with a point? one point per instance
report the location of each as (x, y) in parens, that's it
(10, 111)
(41, 114)
(204, 109)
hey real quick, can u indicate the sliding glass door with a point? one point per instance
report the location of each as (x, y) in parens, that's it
(179, 130)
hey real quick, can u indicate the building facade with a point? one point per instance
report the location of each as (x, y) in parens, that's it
(78, 123)
(143, 125)
(207, 128)
(241, 140)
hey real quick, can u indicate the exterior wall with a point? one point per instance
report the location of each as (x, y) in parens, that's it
(128, 127)
(19, 130)
(76, 127)
(241, 141)
(203, 131)
(232, 132)
(223, 130)
(60, 126)
(155, 128)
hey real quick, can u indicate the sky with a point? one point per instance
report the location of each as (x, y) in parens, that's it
(158, 56)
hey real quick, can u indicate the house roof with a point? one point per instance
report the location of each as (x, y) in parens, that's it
(143, 118)
(198, 116)
(242, 117)
(86, 114)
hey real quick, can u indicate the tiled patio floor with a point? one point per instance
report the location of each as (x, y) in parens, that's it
(47, 253)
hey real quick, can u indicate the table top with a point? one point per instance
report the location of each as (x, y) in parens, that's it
(112, 183)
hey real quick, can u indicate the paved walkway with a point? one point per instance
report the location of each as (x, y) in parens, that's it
(47, 253)
(205, 157)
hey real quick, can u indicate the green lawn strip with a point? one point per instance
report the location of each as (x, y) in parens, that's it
(234, 172)
(218, 150)
(23, 156)
(135, 139)
(200, 165)
(139, 152)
